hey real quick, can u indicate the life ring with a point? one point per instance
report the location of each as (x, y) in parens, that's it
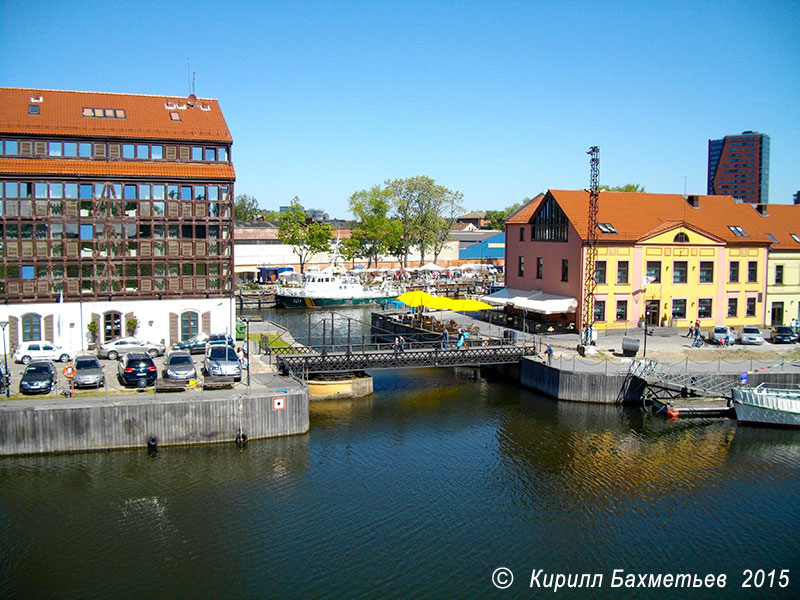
(69, 371)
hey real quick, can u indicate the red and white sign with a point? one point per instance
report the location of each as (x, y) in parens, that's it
(279, 403)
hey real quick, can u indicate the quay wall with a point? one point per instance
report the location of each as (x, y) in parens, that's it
(45, 427)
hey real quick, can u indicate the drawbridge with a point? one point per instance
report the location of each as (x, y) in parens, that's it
(662, 378)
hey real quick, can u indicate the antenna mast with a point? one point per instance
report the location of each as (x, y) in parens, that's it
(591, 245)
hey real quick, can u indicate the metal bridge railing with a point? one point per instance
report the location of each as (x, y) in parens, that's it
(655, 373)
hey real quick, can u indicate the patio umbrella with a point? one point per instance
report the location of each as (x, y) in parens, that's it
(415, 298)
(468, 304)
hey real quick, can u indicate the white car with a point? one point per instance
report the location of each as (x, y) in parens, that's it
(28, 351)
(750, 335)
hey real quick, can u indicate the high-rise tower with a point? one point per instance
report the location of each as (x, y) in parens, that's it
(738, 165)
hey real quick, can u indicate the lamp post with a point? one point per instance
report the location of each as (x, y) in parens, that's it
(646, 316)
(247, 346)
(6, 374)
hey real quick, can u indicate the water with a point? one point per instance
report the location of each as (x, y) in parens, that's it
(419, 491)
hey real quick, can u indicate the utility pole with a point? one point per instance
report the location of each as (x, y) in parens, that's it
(591, 246)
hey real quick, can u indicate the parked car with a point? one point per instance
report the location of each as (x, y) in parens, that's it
(30, 351)
(782, 335)
(197, 344)
(39, 377)
(750, 335)
(88, 372)
(134, 367)
(221, 361)
(117, 347)
(179, 365)
(722, 333)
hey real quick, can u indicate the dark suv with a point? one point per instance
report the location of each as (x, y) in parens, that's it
(197, 344)
(136, 367)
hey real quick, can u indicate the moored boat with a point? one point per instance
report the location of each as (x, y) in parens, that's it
(767, 406)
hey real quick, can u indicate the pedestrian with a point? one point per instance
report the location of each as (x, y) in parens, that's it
(396, 344)
(445, 338)
(690, 334)
(549, 353)
(402, 344)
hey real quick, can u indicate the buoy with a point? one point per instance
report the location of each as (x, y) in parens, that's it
(241, 439)
(672, 412)
(69, 371)
(152, 442)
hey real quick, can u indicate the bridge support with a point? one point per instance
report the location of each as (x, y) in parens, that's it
(351, 387)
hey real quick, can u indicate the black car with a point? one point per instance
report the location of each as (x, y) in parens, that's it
(783, 335)
(136, 367)
(197, 344)
(88, 372)
(38, 378)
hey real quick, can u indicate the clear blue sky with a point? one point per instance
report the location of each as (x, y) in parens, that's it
(498, 100)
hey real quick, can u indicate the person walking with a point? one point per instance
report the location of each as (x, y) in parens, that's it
(690, 334)
(396, 344)
(402, 344)
(549, 353)
(445, 338)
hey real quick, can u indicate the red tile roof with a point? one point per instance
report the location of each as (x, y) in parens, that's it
(782, 221)
(121, 168)
(146, 117)
(638, 215)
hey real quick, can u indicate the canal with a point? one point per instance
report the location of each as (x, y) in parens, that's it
(421, 490)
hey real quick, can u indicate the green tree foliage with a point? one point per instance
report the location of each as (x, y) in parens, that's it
(421, 205)
(496, 219)
(628, 187)
(305, 237)
(245, 208)
(369, 236)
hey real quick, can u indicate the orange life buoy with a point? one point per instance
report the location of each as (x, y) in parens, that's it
(69, 371)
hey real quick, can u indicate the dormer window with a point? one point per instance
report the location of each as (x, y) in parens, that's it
(33, 109)
(681, 238)
(737, 231)
(607, 228)
(795, 237)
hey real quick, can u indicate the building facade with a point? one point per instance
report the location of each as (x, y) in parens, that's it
(738, 166)
(114, 207)
(782, 224)
(663, 258)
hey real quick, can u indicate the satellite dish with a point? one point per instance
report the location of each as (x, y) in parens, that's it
(191, 100)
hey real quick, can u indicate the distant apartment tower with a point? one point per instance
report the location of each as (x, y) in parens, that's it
(738, 166)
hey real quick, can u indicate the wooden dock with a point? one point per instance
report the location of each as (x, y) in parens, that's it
(694, 407)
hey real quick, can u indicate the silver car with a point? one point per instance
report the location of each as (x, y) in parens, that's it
(88, 372)
(115, 348)
(179, 365)
(750, 335)
(221, 361)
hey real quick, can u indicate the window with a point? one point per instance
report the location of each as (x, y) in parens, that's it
(622, 310)
(750, 307)
(222, 155)
(654, 270)
(679, 271)
(599, 310)
(564, 269)
(622, 271)
(733, 272)
(189, 325)
(175, 115)
(681, 238)
(706, 271)
(600, 272)
(772, 237)
(521, 234)
(606, 228)
(733, 307)
(704, 308)
(539, 267)
(752, 271)
(112, 326)
(210, 154)
(521, 266)
(795, 237)
(679, 308)
(128, 151)
(33, 109)
(157, 152)
(31, 328)
(197, 153)
(778, 274)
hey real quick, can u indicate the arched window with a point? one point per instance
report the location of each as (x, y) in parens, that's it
(189, 322)
(112, 326)
(31, 328)
(681, 238)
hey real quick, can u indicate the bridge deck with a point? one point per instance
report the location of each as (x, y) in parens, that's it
(343, 362)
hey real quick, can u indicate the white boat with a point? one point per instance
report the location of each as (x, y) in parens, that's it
(333, 287)
(767, 406)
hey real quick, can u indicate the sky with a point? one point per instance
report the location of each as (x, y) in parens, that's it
(497, 100)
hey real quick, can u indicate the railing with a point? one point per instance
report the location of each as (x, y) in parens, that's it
(654, 372)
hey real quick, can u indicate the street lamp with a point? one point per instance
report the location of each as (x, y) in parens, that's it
(6, 374)
(247, 345)
(646, 317)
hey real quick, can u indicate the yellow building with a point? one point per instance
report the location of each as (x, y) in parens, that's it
(782, 225)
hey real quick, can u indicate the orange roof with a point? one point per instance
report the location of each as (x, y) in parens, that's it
(121, 168)
(638, 215)
(524, 214)
(782, 221)
(146, 117)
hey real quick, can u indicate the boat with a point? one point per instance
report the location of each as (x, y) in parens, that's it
(333, 287)
(767, 406)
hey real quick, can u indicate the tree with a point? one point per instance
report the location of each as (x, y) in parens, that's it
(496, 219)
(419, 204)
(306, 238)
(628, 187)
(245, 208)
(369, 234)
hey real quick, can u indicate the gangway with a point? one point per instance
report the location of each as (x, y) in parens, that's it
(655, 374)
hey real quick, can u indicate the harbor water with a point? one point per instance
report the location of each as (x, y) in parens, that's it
(421, 490)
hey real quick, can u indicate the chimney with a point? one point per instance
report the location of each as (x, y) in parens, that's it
(762, 210)
(694, 201)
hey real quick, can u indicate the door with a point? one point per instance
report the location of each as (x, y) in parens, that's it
(651, 310)
(777, 314)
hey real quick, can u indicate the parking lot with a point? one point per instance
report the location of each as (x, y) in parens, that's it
(113, 385)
